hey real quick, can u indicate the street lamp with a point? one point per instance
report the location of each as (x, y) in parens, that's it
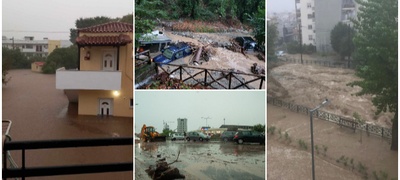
(312, 136)
(206, 119)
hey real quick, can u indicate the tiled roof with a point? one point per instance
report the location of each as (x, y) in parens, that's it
(121, 39)
(111, 27)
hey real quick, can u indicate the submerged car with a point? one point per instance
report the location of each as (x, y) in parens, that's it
(243, 136)
(227, 136)
(247, 43)
(197, 136)
(177, 136)
(172, 53)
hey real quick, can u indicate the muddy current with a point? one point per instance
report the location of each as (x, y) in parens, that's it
(39, 111)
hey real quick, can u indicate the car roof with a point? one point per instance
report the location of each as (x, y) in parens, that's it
(179, 46)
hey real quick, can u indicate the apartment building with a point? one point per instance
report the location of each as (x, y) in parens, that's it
(182, 125)
(103, 83)
(31, 47)
(317, 18)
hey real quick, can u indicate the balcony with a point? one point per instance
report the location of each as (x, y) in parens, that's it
(88, 80)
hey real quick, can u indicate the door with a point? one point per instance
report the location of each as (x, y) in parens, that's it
(105, 107)
(109, 61)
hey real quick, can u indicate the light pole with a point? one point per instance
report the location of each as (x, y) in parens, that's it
(312, 136)
(206, 119)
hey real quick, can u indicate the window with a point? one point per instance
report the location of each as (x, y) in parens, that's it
(309, 26)
(308, 5)
(310, 37)
(310, 16)
(131, 102)
(29, 46)
(38, 48)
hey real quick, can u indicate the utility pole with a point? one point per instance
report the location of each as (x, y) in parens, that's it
(224, 121)
(13, 43)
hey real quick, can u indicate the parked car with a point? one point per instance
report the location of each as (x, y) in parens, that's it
(197, 136)
(172, 53)
(177, 136)
(227, 136)
(249, 137)
(247, 43)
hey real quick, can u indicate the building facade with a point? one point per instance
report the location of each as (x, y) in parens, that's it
(317, 18)
(34, 48)
(103, 83)
(182, 125)
(305, 10)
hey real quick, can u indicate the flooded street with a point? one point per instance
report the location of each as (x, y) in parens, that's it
(39, 111)
(204, 160)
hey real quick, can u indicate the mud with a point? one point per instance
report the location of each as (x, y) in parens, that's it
(204, 160)
(309, 85)
(41, 112)
(286, 160)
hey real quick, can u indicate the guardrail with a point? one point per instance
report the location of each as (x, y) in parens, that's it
(23, 171)
(216, 79)
(341, 121)
(325, 63)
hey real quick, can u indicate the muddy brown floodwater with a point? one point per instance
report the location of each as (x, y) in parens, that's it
(204, 160)
(39, 111)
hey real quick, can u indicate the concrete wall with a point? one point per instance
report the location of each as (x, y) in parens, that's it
(327, 14)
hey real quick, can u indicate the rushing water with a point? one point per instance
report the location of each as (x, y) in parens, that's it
(39, 111)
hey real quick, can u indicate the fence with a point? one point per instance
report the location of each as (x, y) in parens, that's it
(216, 79)
(342, 121)
(325, 63)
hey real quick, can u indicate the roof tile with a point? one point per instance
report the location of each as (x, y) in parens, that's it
(110, 27)
(121, 39)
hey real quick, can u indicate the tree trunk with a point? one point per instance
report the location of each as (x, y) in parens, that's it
(394, 133)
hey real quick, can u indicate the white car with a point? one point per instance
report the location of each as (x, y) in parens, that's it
(177, 136)
(280, 53)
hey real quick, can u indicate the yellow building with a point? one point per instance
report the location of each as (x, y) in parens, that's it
(53, 44)
(103, 83)
(37, 66)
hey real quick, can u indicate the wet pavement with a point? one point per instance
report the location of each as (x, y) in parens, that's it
(203, 160)
(39, 111)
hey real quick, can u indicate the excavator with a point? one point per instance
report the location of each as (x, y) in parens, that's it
(148, 134)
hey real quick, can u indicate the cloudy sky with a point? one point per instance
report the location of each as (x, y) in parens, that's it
(54, 18)
(237, 107)
(280, 5)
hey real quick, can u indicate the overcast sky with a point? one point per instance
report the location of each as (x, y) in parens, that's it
(47, 16)
(237, 107)
(280, 5)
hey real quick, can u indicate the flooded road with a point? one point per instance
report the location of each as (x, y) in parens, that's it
(39, 111)
(204, 160)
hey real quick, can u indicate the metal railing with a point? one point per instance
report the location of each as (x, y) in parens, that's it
(325, 63)
(216, 79)
(341, 121)
(24, 171)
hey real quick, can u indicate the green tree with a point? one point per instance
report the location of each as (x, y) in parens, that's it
(61, 57)
(86, 22)
(6, 65)
(258, 23)
(376, 56)
(259, 128)
(15, 59)
(272, 35)
(342, 39)
(127, 19)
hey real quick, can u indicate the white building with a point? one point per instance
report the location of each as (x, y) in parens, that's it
(317, 18)
(31, 47)
(182, 125)
(28, 46)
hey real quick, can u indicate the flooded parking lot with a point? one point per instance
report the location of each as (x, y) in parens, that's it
(39, 111)
(203, 160)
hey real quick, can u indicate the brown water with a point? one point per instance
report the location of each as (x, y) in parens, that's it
(39, 111)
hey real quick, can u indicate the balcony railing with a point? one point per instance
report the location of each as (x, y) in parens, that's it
(23, 171)
(88, 80)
